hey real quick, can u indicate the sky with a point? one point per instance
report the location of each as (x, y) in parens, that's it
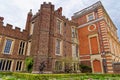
(15, 11)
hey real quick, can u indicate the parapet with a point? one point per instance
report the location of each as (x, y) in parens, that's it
(1, 19)
(9, 26)
(9, 31)
(48, 5)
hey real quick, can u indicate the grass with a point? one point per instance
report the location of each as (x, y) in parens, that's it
(10, 77)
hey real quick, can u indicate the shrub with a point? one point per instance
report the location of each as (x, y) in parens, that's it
(8, 78)
(68, 69)
(5, 73)
(29, 63)
(85, 68)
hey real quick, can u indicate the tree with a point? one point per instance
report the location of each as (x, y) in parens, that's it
(68, 64)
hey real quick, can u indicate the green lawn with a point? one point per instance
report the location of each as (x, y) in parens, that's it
(28, 76)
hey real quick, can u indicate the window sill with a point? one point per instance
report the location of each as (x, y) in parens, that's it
(58, 54)
(90, 20)
(21, 55)
(6, 53)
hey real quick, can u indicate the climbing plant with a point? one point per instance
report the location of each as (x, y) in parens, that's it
(29, 64)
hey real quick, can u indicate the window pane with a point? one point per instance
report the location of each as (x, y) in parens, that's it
(22, 50)
(7, 62)
(7, 46)
(58, 26)
(57, 46)
(19, 50)
(76, 50)
(17, 65)
(3, 65)
(58, 65)
(9, 66)
(28, 48)
(21, 47)
(59, 23)
(32, 28)
(20, 44)
(73, 33)
(0, 39)
(1, 61)
(20, 65)
(90, 17)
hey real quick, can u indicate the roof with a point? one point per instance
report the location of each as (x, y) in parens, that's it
(86, 10)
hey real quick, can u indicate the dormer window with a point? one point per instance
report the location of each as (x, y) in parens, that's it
(90, 17)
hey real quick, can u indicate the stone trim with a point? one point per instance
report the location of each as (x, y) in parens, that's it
(92, 22)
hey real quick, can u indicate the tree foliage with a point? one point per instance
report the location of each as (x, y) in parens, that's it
(29, 63)
(85, 68)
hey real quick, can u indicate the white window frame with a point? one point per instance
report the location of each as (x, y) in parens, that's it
(75, 52)
(11, 47)
(74, 32)
(60, 53)
(0, 39)
(23, 48)
(19, 65)
(32, 28)
(6, 64)
(92, 16)
(56, 67)
(61, 24)
(28, 48)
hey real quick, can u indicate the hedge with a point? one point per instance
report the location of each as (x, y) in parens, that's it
(44, 76)
(29, 76)
(6, 73)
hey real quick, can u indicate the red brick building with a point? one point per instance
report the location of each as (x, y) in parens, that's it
(90, 38)
(13, 44)
(52, 39)
(48, 37)
(99, 44)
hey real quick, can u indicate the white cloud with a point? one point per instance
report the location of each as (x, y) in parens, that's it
(15, 11)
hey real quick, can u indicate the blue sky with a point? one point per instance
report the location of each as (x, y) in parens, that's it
(15, 11)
